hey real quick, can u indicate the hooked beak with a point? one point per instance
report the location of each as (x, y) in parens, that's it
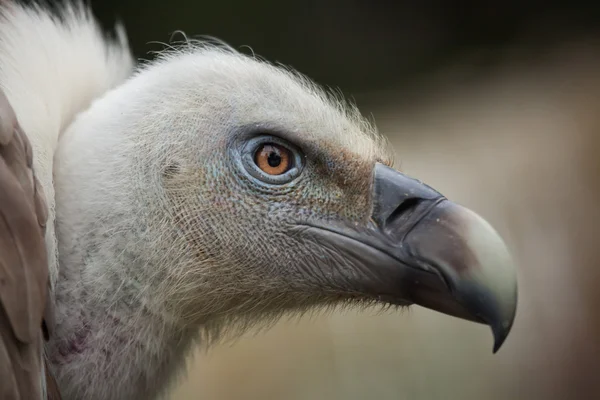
(421, 248)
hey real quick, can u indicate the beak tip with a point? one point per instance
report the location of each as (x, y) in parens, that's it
(499, 338)
(496, 271)
(500, 332)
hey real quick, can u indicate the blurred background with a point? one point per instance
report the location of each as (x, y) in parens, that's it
(496, 104)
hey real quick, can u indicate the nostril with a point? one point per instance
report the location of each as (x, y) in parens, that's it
(404, 210)
(397, 197)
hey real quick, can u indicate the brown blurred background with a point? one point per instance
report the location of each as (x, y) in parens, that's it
(496, 104)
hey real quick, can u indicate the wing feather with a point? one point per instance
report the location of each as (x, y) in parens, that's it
(23, 265)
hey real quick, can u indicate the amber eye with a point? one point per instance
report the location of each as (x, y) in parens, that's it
(273, 159)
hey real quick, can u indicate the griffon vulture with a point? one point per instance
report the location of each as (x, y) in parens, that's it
(147, 209)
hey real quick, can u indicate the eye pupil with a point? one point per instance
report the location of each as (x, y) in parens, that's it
(274, 159)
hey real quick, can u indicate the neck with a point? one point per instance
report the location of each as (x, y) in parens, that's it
(110, 319)
(111, 342)
(114, 255)
(106, 323)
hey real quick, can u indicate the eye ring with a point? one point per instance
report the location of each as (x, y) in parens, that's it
(272, 160)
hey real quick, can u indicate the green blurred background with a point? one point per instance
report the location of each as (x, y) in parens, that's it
(497, 104)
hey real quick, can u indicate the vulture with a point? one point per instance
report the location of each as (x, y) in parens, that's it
(146, 209)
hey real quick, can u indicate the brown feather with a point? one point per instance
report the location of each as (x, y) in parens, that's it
(52, 390)
(24, 291)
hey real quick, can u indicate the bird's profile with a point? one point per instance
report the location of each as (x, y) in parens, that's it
(192, 197)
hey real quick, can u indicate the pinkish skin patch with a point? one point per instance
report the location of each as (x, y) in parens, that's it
(75, 345)
(78, 344)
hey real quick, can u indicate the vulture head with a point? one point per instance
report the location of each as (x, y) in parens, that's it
(211, 191)
(235, 190)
